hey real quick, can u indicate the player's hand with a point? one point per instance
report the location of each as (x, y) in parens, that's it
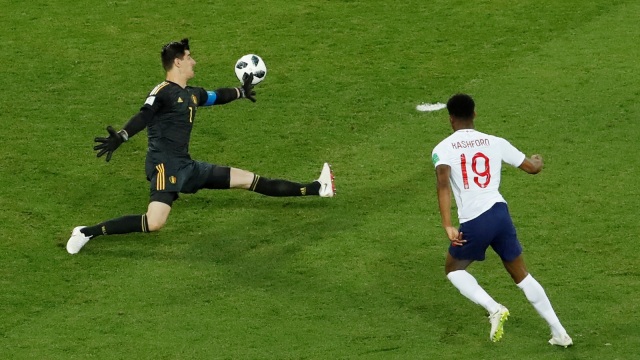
(537, 160)
(454, 236)
(247, 87)
(109, 144)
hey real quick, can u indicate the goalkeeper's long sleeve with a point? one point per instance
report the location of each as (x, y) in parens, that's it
(138, 121)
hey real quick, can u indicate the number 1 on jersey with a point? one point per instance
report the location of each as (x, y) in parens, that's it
(485, 174)
(463, 165)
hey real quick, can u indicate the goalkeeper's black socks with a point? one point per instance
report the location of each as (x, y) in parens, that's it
(270, 187)
(122, 225)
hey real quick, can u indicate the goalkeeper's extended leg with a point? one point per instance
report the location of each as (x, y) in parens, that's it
(153, 220)
(122, 225)
(277, 187)
(324, 186)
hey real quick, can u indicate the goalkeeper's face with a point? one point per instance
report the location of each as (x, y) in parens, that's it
(186, 65)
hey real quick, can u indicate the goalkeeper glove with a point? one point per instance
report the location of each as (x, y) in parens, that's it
(246, 91)
(109, 144)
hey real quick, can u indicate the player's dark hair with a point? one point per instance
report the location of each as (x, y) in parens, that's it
(173, 50)
(461, 106)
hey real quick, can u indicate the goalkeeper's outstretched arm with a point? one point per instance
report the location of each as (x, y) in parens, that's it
(107, 145)
(225, 95)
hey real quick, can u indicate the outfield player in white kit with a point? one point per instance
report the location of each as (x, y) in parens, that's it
(469, 162)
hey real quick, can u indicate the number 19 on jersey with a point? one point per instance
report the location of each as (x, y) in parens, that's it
(480, 168)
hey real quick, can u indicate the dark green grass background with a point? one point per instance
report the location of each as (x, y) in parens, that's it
(235, 275)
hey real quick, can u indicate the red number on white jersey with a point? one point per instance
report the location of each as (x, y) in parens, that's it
(484, 176)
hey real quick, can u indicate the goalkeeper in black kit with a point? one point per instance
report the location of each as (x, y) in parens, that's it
(168, 114)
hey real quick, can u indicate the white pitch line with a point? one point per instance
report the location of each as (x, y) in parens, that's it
(430, 107)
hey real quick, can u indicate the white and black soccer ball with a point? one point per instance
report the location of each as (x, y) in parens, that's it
(251, 63)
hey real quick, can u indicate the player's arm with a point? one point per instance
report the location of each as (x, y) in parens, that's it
(516, 158)
(137, 123)
(532, 165)
(226, 95)
(443, 186)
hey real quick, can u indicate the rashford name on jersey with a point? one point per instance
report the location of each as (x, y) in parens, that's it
(466, 144)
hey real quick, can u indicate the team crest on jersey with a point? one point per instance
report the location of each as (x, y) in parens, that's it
(435, 158)
(172, 179)
(194, 99)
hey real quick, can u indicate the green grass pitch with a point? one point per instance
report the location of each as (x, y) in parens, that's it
(235, 275)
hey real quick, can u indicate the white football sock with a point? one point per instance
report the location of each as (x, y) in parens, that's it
(538, 298)
(469, 287)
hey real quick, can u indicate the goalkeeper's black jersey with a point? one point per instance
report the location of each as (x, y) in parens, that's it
(174, 110)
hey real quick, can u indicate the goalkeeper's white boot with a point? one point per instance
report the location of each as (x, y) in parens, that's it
(562, 340)
(77, 240)
(497, 320)
(327, 186)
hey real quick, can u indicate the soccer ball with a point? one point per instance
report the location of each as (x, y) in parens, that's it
(251, 63)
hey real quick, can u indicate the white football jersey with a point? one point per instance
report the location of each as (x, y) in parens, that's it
(475, 159)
